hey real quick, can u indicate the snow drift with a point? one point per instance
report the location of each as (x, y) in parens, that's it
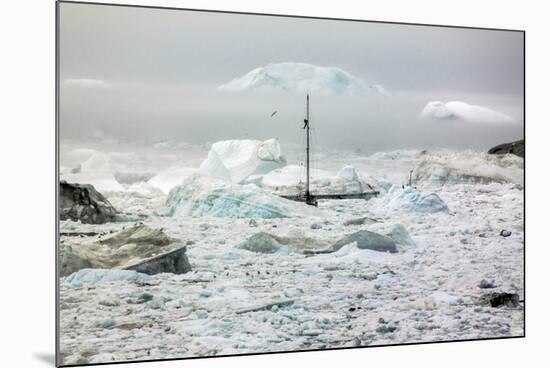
(463, 111)
(236, 160)
(206, 196)
(301, 78)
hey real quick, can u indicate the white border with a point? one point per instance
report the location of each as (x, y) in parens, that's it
(27, 144)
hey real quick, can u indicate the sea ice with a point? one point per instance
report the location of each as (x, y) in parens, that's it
(90, 276)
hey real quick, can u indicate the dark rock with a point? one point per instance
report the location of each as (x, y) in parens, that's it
(316, 226)
(253, 223)
(81, 202)
(175, 261)
(516, 148)
(484, 284)
(505, 233)
(499, 299)
(139, 248)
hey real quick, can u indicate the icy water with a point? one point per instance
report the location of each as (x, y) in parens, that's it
(237, 301)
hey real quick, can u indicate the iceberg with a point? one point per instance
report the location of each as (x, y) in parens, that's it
(463, 111)
(206, 196)
(301, 78)
(236, 160)
(410, 200)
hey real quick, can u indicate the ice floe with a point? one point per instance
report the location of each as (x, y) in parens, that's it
(206, 196)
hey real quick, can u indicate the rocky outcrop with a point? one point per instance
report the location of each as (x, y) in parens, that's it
(516, 148)
(81, 202)
(139, 248)
(496, 300)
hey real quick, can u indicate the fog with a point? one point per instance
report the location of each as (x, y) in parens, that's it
(144, 75)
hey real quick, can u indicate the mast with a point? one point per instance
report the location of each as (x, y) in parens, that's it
(309, 198)
(306, 126)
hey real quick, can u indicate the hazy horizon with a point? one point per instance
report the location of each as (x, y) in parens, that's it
(135, 74)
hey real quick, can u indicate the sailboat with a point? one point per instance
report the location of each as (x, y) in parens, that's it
(312, 199)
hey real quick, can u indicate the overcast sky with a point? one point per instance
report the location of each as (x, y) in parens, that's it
(131, 73)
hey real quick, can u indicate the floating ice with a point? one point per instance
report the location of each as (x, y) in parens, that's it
(463, 111)
(469, 167)
(90, 276)
(205, 196)
(301, 78)
(410, 200)
(236, 160)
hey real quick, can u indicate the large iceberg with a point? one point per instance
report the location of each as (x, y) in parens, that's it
(236, 160)
(207, 196)
(301, 78)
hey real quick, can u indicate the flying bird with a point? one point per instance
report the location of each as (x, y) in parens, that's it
(273, 113)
